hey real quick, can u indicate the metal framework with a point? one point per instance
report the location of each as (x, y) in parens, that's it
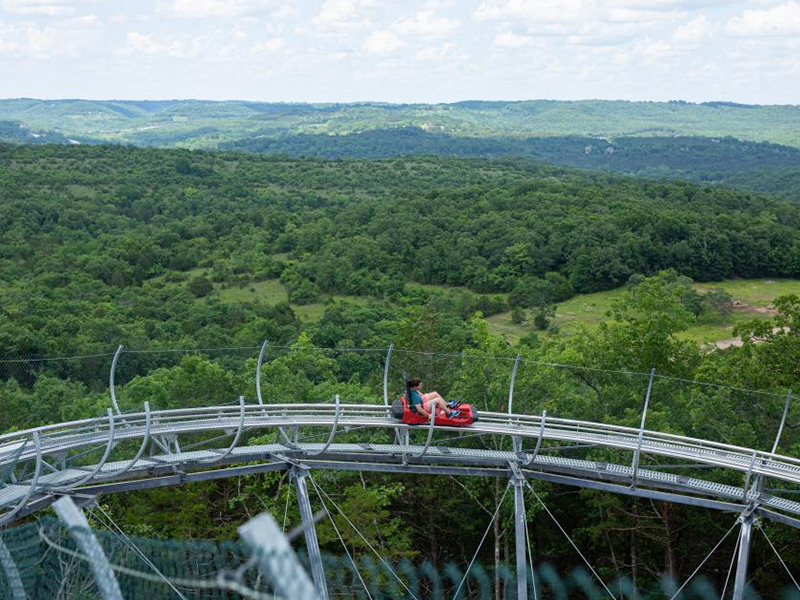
(154, 448)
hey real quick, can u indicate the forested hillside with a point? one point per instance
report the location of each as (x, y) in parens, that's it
(110, 245)
(99, 222)
(757, 166)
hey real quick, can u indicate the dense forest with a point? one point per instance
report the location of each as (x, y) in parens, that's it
(98, 222)
(108, 245)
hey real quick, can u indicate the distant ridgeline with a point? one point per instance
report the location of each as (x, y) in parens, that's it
(715, 142)
(763, 167)
(164, 122)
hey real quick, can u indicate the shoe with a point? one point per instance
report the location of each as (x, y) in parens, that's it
(454, 413)
(453, 403)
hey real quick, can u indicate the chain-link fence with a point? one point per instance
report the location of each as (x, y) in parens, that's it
(41, 561)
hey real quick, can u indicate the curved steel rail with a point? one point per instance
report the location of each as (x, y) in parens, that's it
(53, 442)
(109, 447)
(431, 425)
(111, 387)
(258, 372)
(31, 487)
(333, 429)
(142, 447)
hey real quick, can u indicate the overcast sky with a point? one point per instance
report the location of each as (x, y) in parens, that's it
(401, 50)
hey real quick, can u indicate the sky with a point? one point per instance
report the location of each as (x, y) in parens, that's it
(402, 50)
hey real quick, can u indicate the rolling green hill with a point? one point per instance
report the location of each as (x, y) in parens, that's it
(752, 147)
(203, 124)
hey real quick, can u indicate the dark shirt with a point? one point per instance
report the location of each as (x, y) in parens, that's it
(416, 398)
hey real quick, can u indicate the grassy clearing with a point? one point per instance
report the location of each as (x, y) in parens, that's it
(270, 291)
(590, 310)
(309, 313)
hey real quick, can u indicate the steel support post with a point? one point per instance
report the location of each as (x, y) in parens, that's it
(511, 385)
(75, 521)
(13, 579)
(519, 531)
(743, 557)
(783, 422)
(276, 559)
(637, 455)
(314, 556)
(386, 375)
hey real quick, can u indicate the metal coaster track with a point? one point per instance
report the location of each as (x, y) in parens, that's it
(41, 471)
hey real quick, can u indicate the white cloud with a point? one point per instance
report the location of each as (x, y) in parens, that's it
(509, 39)
(216, 8)
(339, 15)
(579, 22)
(445, 53)
(438, 4)
(542, 11)
(47, 8)
(40, 43)
(382, 42)
(271, 46)
(652, 51)
(666, 5)
(83, 21)
(782, 20)
(425, 23)
(695, 31)
(164, 45)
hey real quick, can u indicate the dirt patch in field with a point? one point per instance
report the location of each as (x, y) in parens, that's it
(742, 306)
(737, 341)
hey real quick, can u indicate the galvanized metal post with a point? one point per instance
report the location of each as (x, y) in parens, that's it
(638, 453)
(81, 533)
(386, 376)
(783, 421)
(12, 573)
(276, 559)
(519, 533)
(312, 544)
(511, 386)
(744, 556)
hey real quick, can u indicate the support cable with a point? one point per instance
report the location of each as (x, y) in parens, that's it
(341, 539)
(366, 541)
(128, 542)
(286, 509)
(700, 566)
(483, 539)
(775, 550)
(530, 559)
(569, 539)
(730, 568)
